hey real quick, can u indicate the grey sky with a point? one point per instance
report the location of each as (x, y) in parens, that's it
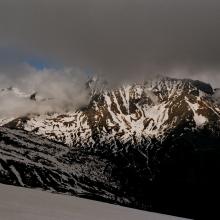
(120, 38)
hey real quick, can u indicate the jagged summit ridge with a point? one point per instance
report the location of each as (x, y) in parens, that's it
(129, 114)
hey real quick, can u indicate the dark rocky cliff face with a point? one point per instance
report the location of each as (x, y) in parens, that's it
(153, 146)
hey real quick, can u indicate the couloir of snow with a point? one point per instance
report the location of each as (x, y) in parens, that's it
(17, 203)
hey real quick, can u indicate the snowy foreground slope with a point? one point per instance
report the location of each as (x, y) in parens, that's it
(17, 203)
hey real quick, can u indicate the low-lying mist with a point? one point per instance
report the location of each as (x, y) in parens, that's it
(56, 90)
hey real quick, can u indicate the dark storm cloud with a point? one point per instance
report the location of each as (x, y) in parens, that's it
(120, 38)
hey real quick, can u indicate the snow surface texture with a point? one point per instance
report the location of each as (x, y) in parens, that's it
(24, 204)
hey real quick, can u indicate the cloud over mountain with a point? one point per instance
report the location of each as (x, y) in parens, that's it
(122, 39)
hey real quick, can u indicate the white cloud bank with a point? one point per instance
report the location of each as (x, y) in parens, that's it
(57, 90)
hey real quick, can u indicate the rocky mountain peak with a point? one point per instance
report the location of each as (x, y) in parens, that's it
(131, 113)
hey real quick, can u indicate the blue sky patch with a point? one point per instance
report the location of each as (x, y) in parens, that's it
(12, 56)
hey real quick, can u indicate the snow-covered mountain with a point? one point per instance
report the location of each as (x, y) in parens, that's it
(132, 113)
(123, 147)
